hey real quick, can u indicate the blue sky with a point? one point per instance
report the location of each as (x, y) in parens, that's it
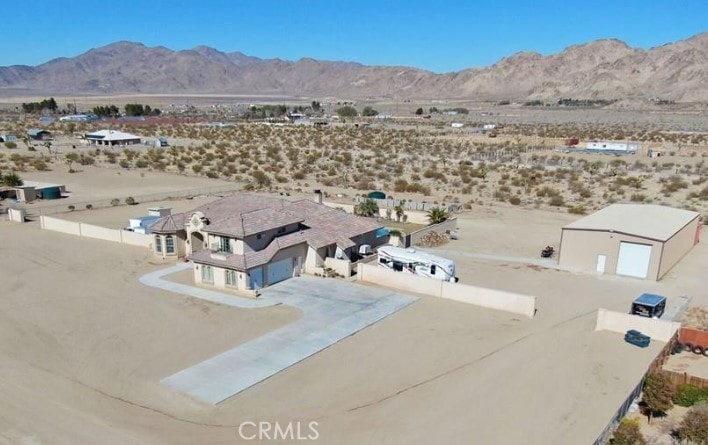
(441, 36)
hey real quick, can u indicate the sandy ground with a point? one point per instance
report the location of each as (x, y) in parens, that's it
(99, 186)
(693, 364)
(83, 346)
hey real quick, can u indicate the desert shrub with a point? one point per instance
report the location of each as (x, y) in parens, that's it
(124, 163)
(10, 144)
(40, 165)
(89, 206)
(130, 201)
(577, 210)
(556, 201)
(115, 202)
(688, 395)
(72, 208)
(141, 163)
(638, 197)
(515, 200)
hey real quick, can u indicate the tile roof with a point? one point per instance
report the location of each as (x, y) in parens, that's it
(242, 214)
(169, 224)
(255, 221)
(250, 259)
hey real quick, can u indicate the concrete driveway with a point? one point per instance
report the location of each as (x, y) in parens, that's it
(332, 311)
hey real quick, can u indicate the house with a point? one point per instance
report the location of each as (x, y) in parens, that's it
(246, 242)
(8, 137)
(635, 240)
(111, 138)
(37, 134)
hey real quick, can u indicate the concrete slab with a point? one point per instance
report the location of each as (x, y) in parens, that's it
(332, 311)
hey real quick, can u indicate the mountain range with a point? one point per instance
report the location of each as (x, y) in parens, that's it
(602, 69)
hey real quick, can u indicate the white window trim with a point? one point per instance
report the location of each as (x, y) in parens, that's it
(233, 273)
(206, 279)
(169, 251)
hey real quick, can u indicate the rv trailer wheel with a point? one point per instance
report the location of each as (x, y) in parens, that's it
(698, 349)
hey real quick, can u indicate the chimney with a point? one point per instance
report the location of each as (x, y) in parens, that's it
(318, 196)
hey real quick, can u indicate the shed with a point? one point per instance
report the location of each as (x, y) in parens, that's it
(635, 240)
(38, 134)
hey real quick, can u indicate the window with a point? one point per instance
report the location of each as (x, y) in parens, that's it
(169, 245)
(158, 244)
(207, 274)
(281, 230)
(224, 244)
(259, 236)
(432, 269)
(230, 277)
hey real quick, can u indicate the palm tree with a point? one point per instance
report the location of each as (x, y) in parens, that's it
(436, 215)
(368, 208)
(399, 210)
(12, 180)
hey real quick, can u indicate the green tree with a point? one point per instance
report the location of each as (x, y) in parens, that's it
(315, 106)
(694, 426)
(658, 394)
(12, 180)
(419, 111)
(347, 111)
(627, 433)
(436, 215)
(367, 207)
(368, 112)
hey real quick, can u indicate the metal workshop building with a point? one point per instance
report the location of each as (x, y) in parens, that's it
(634, 240)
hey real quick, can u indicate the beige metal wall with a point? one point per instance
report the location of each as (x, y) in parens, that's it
(678, 246)
(580, 248)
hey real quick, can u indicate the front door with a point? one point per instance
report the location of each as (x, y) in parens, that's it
(601, 260)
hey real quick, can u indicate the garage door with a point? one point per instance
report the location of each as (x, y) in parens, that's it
(633, 260)
(280, 270)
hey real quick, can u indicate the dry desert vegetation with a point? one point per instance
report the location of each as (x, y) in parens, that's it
(424, 160)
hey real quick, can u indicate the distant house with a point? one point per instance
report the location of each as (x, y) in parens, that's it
(8, 137)
(37, 134)
(76, 118)
(457, 125)
(246, 242)
(111, 138)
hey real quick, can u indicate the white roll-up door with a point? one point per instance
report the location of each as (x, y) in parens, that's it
(633, 259)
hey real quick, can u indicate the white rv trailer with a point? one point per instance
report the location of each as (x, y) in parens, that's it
(418, 263)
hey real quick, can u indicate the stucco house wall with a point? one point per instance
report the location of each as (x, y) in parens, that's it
(678, 246)
(580, 248)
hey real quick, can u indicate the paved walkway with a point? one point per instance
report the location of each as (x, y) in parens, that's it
(333, 310)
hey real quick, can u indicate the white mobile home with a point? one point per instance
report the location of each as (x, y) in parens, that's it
(626, 147)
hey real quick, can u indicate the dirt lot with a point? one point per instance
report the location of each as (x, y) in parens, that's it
(83, 346)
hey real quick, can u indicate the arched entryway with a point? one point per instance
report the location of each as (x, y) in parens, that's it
(196, 242)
